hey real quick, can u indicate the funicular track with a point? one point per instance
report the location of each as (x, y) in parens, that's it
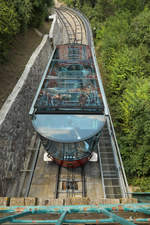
(111, 168)
(70, 182)
(73, 25)
(74, 182)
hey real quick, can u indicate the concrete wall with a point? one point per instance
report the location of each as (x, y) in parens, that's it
(15, 125)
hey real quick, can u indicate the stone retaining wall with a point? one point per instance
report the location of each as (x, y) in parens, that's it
(28, 201)
(15, 124)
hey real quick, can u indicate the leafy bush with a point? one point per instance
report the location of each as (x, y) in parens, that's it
(16, 16)
(140, 29)
(143, 183)
(39, 12)
(135, 132)
(23, 9)
(9, 26)
(134, 6)
(114, 31)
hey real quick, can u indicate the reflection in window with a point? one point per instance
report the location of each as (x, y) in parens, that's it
(70, 85)
(70, 151)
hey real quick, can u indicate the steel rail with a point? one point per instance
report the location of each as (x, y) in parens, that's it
(73, 182)
(29, 183)
(85, 23)
(101, 169)
(62, 22)
(66, 11)
(68, 181)
(76, 31)
(83, 182)
(79, 21)
(63, 17)
(57, 182)
(70, 188)
(82, 19)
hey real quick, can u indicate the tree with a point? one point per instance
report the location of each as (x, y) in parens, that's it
(39, 11)
(135, 135)
(23, 9)
(140, 29)
(9, 26)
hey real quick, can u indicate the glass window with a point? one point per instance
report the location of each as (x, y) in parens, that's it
(69, 151)
(68, 128)
(71, 82)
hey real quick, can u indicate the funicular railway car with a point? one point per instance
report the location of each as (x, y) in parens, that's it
(68, 111)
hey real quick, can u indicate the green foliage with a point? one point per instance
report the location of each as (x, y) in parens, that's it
(104, 9)
(23, 9)
(9, 26)
(140, 29)
(97, 11)
(123, 65)
(142, 183)
(127, 72)
(135, 132)
(39, 12)
(133, 5)
(113, 32)
(8, 19)
(70, 3)
(16, 16)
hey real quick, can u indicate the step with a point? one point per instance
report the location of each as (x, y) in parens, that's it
(111, 182)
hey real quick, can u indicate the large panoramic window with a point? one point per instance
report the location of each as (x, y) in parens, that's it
(71, 83)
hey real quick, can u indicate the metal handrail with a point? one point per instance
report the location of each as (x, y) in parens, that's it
(101, 169)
